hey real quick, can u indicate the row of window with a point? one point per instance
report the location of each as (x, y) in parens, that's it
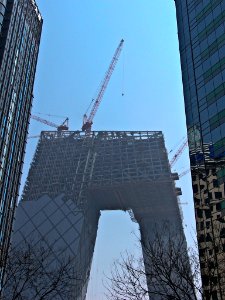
(217, 120)
(212, 48)
(194, 4)
(207, 10)
(216, 94)
(214, 70)
(211, 27)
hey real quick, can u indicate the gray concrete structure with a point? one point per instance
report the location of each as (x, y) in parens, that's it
(75, 175)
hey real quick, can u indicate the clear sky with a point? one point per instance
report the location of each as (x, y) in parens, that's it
(78, 41)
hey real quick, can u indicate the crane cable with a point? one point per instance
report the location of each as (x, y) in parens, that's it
(122, 93)
(89, 106)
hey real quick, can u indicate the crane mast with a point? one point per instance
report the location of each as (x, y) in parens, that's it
(88, 120)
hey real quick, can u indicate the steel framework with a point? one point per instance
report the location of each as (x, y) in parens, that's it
(75, 175)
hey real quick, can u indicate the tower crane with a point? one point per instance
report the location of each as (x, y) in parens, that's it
(88, 120)
(63, 126)
(178, 153)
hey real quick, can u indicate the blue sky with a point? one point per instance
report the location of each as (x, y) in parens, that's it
(78, 41)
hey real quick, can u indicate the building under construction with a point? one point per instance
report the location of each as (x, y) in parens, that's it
(74, 175)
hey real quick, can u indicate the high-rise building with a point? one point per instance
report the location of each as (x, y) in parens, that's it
(20, 32)
(75, 175)
(201, 30)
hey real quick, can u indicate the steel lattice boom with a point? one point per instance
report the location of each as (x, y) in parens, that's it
(44, 121)
(63, 126)
(178, 153)
(88, 121)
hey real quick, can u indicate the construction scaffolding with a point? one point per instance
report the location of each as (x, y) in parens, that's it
(72, 161)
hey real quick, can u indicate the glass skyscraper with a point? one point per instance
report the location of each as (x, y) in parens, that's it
(201, 30)
(20, 32)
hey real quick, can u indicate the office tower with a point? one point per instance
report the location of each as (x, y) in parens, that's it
(20, 28)
(75, 175)
(201, 30)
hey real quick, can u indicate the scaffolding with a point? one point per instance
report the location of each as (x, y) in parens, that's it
(72, 161)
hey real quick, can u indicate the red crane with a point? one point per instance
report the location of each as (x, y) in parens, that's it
(63, 126)
(88, 120)
(178, 153)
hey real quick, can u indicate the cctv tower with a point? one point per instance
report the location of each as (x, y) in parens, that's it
(75, 175)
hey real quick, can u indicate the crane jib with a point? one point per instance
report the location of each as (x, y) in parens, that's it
(88, 120)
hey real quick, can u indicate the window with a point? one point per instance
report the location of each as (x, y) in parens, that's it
(211, 27)
(216, 94)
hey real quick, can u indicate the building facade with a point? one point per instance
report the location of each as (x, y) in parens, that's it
(20, 32)
(75, 175)
(201, 31)
(2, 12)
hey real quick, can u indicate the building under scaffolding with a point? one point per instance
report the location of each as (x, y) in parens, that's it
(75, 175)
